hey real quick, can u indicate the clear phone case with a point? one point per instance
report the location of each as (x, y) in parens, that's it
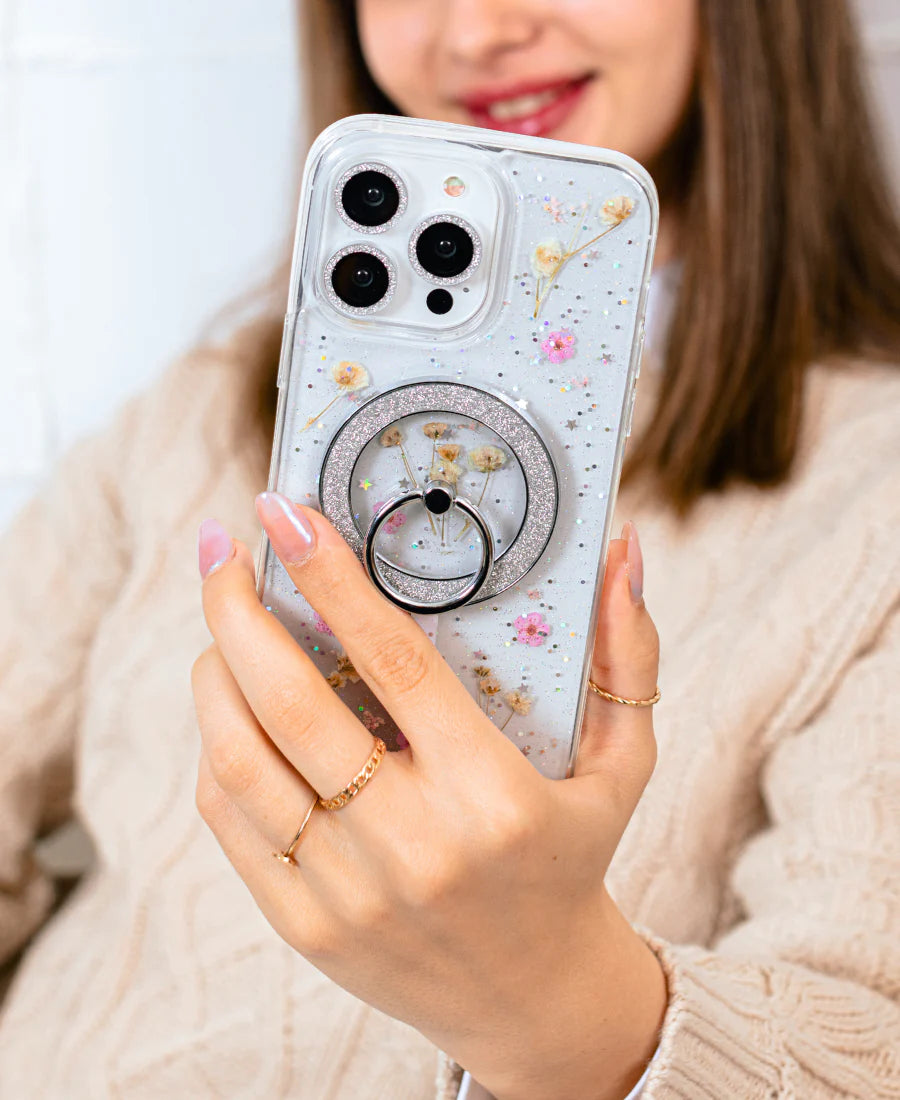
(470, 455)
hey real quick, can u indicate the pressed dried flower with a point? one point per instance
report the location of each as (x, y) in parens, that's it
(489, 685)
(371, 721)
(547, 257)
(445, 471)
(555, 209)
(486, 459)
(345, 668)
(322, 626)
(336, 680)
(434, 429)
(450, 451)
(481, 671)
(559, 346)
(531, 629)
(615, 211)
(350, 376)
(519, 700)
(391, 437)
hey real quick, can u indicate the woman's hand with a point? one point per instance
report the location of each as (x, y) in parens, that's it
(461, 891)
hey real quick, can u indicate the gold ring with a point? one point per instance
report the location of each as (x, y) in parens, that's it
(654, 698)
(287, 856)
(357, 783)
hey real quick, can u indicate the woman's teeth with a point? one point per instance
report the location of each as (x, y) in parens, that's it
(523, 105)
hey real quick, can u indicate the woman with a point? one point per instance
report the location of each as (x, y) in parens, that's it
(742, 930)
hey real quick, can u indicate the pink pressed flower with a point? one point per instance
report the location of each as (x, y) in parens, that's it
(401, 740)
(371, 721)
(559, 346)
(393, 523)
(323, 627)
(531, 628)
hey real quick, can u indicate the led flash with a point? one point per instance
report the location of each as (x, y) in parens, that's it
(454, 187)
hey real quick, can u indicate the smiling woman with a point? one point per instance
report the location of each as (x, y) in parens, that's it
(708, 906)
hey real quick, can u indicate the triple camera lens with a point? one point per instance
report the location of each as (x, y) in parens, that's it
(369, 197)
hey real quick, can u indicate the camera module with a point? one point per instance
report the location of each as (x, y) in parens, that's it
(359, 279)
(445, 249)
(369, 197)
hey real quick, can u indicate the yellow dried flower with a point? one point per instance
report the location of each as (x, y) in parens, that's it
(346, 669)
(481, 671)
(519, 701)
(336, 680)
(434, 429)
(547, 257)
(487, 458)
(615, 211)
(350, 376)
(391, 437)
(445, 471)
(489, 685)
(450, 451)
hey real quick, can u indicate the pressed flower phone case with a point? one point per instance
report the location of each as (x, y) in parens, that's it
(455, 389)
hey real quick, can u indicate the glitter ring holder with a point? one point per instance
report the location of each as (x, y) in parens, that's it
(438, 497)
(513, 529)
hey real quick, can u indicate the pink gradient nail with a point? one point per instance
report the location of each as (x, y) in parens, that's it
(214, 546)
(634, 563)
(288, 529)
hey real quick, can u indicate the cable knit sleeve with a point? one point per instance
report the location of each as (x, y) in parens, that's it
(799, 999)
(52, 595)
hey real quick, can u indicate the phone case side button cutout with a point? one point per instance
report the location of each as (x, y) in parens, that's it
(286, 341)
(630, 412)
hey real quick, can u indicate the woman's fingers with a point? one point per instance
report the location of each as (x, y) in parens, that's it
(387, 647)
(279, 889)
(243, 760)
(286, 692)
(617, 740)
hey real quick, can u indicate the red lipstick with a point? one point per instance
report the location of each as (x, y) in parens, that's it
(534, 108)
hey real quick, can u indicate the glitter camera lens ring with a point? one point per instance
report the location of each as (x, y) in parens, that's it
(359, 280)
(370, 197)
(447, 257)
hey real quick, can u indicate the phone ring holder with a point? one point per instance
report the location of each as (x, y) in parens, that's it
(438, 497)
(412, 541)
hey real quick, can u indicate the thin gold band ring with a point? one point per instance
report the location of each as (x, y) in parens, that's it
(654, 698)
(352, 789)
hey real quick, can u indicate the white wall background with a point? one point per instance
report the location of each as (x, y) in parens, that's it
(147, 172)
(147, 165)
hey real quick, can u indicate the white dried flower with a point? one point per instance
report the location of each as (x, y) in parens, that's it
(547, 257)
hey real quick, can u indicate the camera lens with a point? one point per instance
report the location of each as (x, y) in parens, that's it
(359, 279)
(370, 196)
(445, 249)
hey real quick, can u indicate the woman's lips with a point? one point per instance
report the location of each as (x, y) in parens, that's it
(534, 109)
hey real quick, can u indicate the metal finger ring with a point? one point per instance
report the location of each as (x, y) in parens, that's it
(438, 497)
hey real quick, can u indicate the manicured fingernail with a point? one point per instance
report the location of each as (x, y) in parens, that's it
(214, 546)
(634, 563)
(291, 533)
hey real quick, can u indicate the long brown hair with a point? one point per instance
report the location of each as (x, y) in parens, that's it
(792, 251)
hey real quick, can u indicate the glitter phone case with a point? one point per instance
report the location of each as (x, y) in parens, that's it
(456, 384)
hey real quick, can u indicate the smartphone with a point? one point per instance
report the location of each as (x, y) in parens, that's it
(461, 346)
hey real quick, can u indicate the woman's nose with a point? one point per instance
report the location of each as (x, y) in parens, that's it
(476, 31)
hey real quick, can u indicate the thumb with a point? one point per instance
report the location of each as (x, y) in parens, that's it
(617, 742)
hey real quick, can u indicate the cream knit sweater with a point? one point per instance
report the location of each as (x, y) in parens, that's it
(762, 864)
